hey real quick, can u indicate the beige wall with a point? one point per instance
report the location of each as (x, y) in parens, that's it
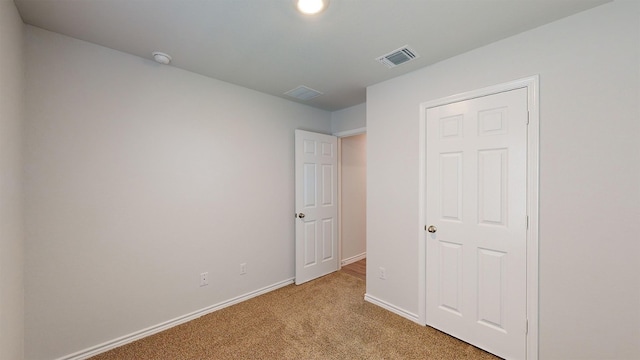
(139, 178)
(11, 220)
(354, 190)
(589, 175)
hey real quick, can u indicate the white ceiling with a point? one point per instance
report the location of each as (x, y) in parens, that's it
(267, 46)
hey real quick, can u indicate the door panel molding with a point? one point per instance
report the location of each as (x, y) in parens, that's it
(492, 124)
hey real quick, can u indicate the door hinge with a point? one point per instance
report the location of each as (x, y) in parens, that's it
(528, 117)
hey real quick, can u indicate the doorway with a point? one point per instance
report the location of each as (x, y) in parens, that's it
(330, 203)
(352, 213)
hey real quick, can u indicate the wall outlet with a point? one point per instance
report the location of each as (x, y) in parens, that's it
(383, 273)
(243, 268)
(204, 279)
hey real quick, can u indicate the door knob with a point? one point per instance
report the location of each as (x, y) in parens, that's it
(301, 215)
(432, 229)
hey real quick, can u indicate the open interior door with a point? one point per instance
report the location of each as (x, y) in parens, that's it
(316, 205)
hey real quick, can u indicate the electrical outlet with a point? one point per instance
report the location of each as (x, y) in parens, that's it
(204, 279)
(243, 268)
(383, 273)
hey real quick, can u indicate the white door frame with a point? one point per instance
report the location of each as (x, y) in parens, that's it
(533, 135)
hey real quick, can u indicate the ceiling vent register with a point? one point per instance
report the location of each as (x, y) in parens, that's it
(398, 56)
(303, 93)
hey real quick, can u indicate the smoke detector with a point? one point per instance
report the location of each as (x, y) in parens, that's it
(398, 56)
(161, 58)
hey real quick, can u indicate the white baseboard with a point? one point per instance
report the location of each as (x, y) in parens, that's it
(112, 344)
(394, 309)
(353, 259)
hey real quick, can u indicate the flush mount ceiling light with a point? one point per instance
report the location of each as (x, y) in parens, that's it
(311, 7)
(161, 58)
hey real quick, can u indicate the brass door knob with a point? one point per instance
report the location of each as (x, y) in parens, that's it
(432, 229)
(301, 215)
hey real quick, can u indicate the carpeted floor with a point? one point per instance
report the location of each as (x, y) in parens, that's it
(324, 319)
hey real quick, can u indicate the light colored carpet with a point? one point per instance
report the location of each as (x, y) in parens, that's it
(324, 319)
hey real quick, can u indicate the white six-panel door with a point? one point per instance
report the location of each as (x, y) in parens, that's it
(316, 205)
(476, 187)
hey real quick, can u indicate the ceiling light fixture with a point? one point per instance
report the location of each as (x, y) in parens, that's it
(311, 7)
(161, 58)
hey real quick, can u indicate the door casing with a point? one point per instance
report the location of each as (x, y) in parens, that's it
(532, 86)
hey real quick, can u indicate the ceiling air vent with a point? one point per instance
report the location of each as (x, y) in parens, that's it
(399, 56)
(303, 93)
